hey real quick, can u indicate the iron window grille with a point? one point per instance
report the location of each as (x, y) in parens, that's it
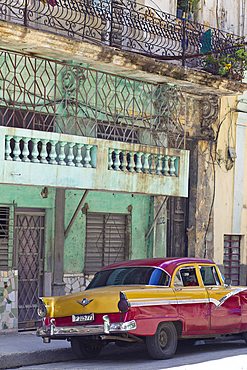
(231, 261)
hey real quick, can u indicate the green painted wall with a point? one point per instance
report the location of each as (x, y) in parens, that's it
(30, 197)
(105, 203)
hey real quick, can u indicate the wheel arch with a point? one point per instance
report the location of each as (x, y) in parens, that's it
(179, 327)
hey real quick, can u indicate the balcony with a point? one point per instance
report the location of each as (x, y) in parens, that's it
(47, 159)
(128, 27)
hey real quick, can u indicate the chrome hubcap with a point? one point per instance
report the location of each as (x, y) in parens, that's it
(163, 339)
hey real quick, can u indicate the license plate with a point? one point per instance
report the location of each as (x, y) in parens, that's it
(83, 317)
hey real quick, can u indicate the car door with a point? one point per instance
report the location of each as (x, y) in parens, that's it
(192, 301)
(225, 305)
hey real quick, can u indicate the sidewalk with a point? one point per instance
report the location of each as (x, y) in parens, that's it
(25, 348)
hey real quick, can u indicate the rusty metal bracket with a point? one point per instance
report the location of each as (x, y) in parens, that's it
(76, 213)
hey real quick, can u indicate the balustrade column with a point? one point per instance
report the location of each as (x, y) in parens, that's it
(35, 151)
(8, 148)
(138, 162)
(117, 163)
(166, 165)
(172, 166)
(87, 158)
(146, 163)
(61, 153)
(131, 162)
(153, 165)
(124, 163)
(25, 151)
(53, 153)
(78, 158)
(43, 153)
(17, 150)
(159, 166)
(110, 163)
(70, 155)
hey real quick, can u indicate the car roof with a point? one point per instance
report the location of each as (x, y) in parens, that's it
(169, 264)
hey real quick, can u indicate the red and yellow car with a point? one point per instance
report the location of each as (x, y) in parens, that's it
(157, 301)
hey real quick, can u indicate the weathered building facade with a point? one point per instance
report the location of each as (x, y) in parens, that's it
(110, 147)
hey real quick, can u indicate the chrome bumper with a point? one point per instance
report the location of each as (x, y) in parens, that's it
(54, 331)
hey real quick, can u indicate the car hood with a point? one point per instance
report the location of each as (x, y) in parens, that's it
(100, 300)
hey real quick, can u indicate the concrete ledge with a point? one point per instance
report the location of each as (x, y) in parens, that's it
(108, 59)
(36, 358)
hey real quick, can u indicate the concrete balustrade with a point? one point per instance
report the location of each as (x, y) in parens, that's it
(55, 152)
(143, 162)
(47, 159)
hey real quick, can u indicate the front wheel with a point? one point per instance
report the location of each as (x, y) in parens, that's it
(164, 342)
(85, 350)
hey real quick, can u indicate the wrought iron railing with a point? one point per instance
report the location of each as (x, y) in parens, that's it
(122, 24)
(47, 95)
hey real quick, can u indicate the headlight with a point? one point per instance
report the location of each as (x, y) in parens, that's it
(42, 309)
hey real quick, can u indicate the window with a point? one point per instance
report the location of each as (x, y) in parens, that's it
(178, 280)
(130, 276)
(209, 275)
(231, 259)
(186, 276)
(107, 240)
(6, 236)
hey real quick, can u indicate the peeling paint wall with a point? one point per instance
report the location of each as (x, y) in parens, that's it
(168, 6)
(211, 195)
(223, 14)
(104, 203)
(204, 225)
(224, 186)
(8, 301)
(202, 120)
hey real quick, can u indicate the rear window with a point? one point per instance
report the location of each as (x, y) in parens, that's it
(130, 276)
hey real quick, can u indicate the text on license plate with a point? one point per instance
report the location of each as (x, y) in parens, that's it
(81, 317)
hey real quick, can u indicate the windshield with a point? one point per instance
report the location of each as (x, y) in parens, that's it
(130, 276)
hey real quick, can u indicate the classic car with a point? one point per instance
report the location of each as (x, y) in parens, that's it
(155, 301)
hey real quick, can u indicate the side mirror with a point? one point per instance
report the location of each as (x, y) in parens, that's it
(228, 282)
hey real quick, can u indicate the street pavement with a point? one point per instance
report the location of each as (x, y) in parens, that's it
(26, 349)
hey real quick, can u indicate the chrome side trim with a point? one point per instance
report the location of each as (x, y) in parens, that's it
(54, 331)
(170, 300)
(150, 302)
(229, 295)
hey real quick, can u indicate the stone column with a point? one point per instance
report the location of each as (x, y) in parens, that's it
(58, 284)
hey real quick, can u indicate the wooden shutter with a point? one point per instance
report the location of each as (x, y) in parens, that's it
(6, 236)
